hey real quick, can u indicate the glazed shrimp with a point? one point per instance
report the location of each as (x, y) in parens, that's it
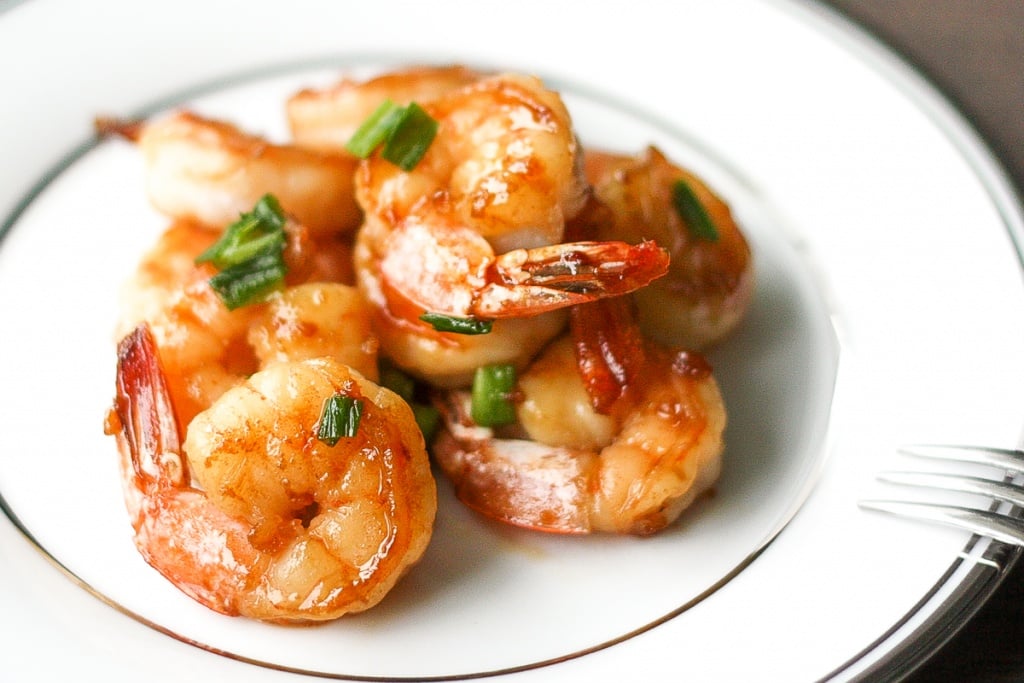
(452, 270)
(709, 284)
(253, 515)
(631, 468)
(505, 161)
(326, 118)
(210, 171)
(475, 230)
(207, 348)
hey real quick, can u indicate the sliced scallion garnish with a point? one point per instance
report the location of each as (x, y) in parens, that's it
(427, 419)
(405, 132)
(449, 323)
(255, 232)
(250, 281)
(427, 416)
(693, 213)
(375, 130)
(491, 404)
(397, 381)
(340, 417)
(249, 255)
(410, 138)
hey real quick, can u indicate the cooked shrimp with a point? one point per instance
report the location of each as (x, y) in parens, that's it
(210, 171)
(631, 468)
(166, 267)
(207, 348)
(452, 270)
(709, 284)
(202, 343)
(253, 515)
(505, 162)
(326, 118)
(475, 230)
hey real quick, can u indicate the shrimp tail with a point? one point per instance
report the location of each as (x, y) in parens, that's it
(143, 407)
(551, 277)
(199, 549)
(610, 350)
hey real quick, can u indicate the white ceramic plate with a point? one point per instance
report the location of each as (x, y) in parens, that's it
(888, 310)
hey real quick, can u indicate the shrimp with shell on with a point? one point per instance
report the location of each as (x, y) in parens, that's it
(476, 230)
(710, 279)
(235, 492)
(256, 512)
(207, 347)
(614, 434)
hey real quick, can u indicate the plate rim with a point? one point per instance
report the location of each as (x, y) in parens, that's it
(998, 559)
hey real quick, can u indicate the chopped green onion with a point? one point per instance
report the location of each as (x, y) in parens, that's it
(448, 323)
(249, 281)
(693, 213)
(260, 230)
(410, 138)
(397, 381)
(249, 255)
(340, 417)
(491, 403)
(375, 130)
(427, 418)
(406, 133)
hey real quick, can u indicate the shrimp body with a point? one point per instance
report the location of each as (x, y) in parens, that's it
(314, 320)
(475, 230)
(454, 271)
(505, 161)
(206, 348)
(326, 118)
(252, 514)
(210, 171)
(709, 284)
(631, 468)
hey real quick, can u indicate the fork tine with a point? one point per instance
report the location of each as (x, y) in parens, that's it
(954, 482)
(1005, 458)
(999, 527)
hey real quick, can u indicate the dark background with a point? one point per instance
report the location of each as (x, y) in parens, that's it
(973, 50)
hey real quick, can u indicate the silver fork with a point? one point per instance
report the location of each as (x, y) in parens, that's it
(1006, 526)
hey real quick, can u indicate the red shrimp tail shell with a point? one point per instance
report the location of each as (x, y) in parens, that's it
(143, 407)
(610, 350)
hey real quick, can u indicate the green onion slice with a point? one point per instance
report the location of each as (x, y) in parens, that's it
(428, 418)
(397, 381)
(249, 281)
(375, 130)
(410, 138)
(693, 213)
(258, 231)
(491, 403)
(249, 255)
(340, 417)
(406, 133)
(448, 323)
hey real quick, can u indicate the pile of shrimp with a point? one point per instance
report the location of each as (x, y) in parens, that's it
(594, 289)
